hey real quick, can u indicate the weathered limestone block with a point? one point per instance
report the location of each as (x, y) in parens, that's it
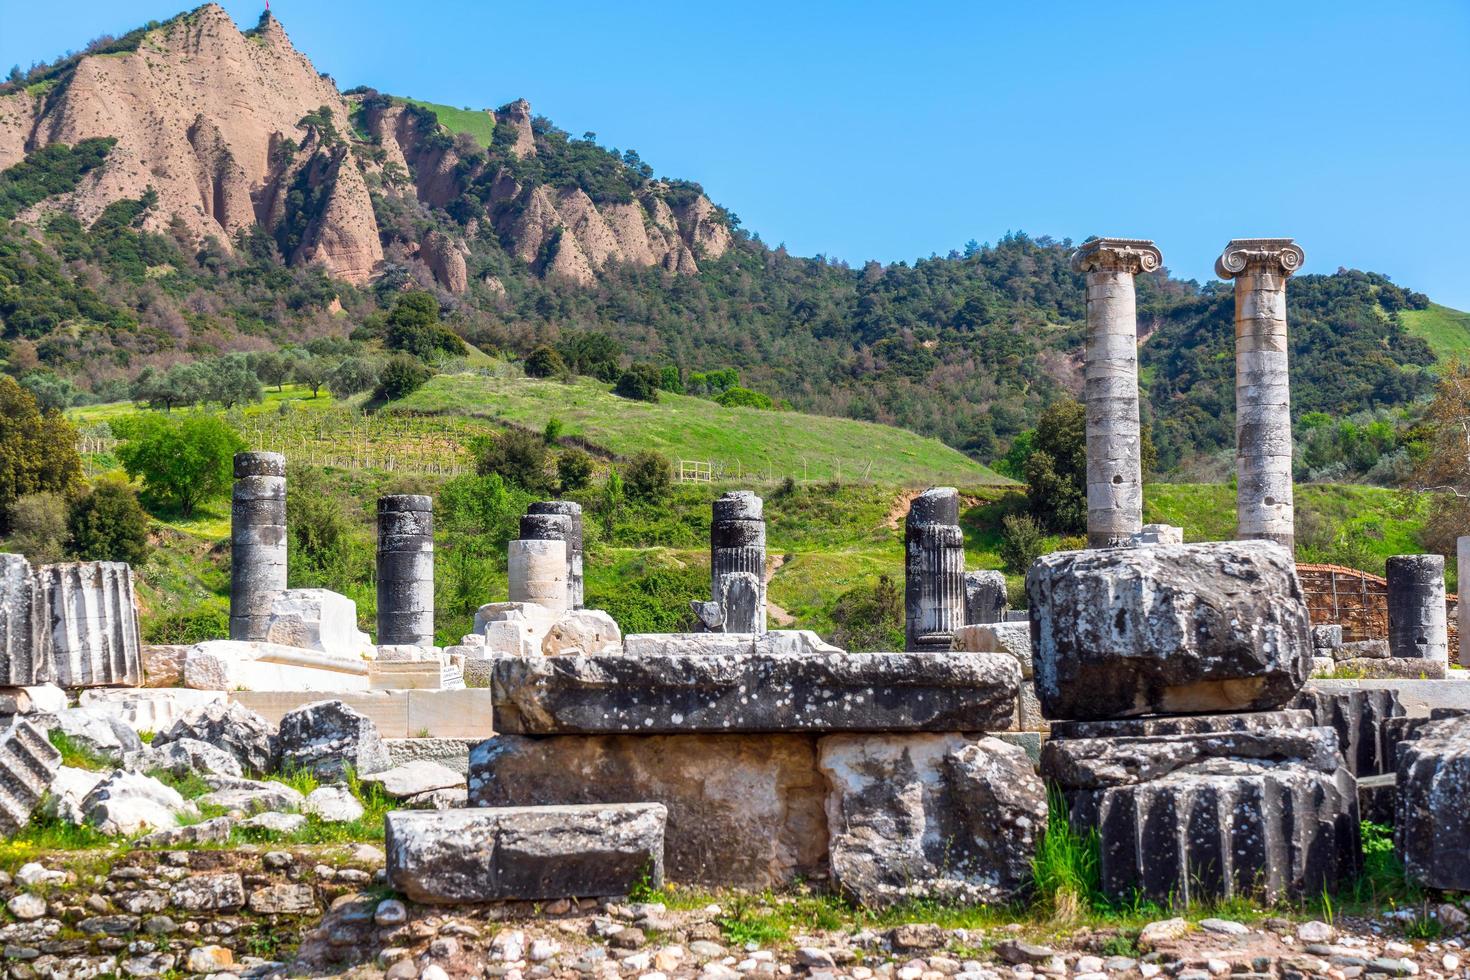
(513, 628)
(1361, 650)
(535, 853)
(69, 788)
(1432, 836)
(232, 727)
(1327, 637)
(1245, 721)
(257, 542)
(1360, 719)
(559, 520)
(743, 810)
(985, 597)
(1260, 268)
(327, 738)
(145, 709)
(406, 570)
(1151, 534)
(234, 665)
(28, 763)
(128, 803)
(1171, 629)
(1258, 811)
(163, 664)
(415, 778)
(585, 632)
(1417, 625)
(93, 623)
(772, 643)
(933, 816)
(538, 573)
(316, 619)
(1011, 638)
(96, 730)
(184, 757)
(870, 692)
(1402, 668)
(1114, 445)
(25, 640)
(934, 570)
(738, 560)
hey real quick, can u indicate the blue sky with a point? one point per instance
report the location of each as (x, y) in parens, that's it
(891, 131)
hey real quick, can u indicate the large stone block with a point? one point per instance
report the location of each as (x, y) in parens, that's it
(536, 853)
(949, 817)
(93, 624)
(985, 597)
(28, 764)
(1011, 638)
(232, 727)
(25, 640)
(327, 738)
(769, 643)
(844, 692)
(743, 810)
(316, 619)
(583, 631)
(1431, 831)
(1169, 629)
(1251, 810)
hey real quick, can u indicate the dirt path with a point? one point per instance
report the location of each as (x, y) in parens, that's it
(777, 616)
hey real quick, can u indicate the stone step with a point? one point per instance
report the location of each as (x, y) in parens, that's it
(1359, 717)
(28, 763)
(532, 853)
(717, 693)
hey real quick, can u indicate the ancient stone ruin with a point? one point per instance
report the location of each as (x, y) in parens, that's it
(406, 570)
(934, 570)
(257, 542)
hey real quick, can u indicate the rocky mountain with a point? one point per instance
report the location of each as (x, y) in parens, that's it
(235, 129)
(191, 189)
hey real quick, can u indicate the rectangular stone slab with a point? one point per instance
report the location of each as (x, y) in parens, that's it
(681, 694)
(532, 853)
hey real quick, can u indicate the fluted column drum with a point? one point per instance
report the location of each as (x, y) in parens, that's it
(257, 542)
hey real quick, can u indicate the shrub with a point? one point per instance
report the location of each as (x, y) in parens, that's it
(38, 527)
(516, 456)
(401, 377)
(649, 476)
(743, 398)
(573, 470)
(545, 362)
(869, 618)
(1021, 542)
(181, 460)
(324, 551)
(38, 451)
(413, 327)
(108, 524)
(640, 383)
(552, 432)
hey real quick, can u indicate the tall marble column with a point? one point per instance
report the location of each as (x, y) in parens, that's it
(406, 570)
(257, 542)
(738, 560)
(560, 520)
(934, 570)
(1260, 268)
(1114, 446)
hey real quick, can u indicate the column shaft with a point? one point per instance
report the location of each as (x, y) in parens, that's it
(934, 570)
(406, 570)
(257, 542)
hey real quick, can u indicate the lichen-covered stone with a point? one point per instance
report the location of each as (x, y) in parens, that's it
(1360, 719)
(1169, 629)
(25, 640)
(327, 738)
(1260, 812)
(1432, 834)
(874, 692)
(230, 726)
(536, 853)
(929, 816)
(93, 623)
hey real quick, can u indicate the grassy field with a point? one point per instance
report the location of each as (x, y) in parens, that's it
(1446, 331)
(746, 441)
(477, 122)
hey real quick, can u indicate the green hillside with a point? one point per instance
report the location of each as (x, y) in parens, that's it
(741, 440)
(476, 122)
(1446, 331)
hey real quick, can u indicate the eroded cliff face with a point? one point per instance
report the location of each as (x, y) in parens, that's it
(225, 125)
(196, 111)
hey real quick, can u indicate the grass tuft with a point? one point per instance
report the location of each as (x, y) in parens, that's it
(77, 754)
(1066, 864)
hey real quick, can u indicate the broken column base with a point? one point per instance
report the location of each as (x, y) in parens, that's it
(1255, 805)
(533, 853)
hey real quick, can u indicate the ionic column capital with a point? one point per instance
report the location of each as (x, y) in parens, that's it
(1277, 255)
(1132, 255)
